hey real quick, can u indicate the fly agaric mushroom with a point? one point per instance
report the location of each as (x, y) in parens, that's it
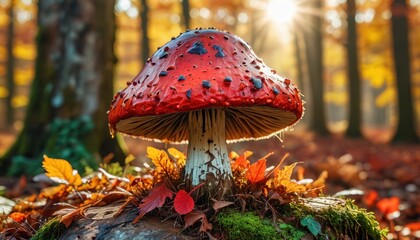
(206, 87)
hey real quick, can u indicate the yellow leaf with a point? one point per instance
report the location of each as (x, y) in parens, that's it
(179, 156)
(286, 172)
(59, 170)
(292, 186)
(162, 162)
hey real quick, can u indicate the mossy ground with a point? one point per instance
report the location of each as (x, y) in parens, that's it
(339, 221)
(50, 230)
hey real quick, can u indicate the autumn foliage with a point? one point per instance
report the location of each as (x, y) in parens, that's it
(158, 189)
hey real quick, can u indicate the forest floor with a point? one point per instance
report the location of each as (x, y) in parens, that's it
(387, 174)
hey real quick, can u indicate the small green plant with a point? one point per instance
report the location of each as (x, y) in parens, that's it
(287, 231)
(65, 140)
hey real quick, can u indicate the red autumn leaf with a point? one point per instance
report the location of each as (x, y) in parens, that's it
(156, 199)
(183, 202)
(388, 205)
(256, 171)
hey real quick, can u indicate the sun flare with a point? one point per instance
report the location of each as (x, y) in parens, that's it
(281, 11)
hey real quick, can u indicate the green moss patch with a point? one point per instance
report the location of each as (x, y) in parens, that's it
(321, 218)
(340, 220)
(239, 226)
(49, 231)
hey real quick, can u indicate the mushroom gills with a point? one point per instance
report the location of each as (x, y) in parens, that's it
(242, 123)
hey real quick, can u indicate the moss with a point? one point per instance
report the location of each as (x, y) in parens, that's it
(49, 231)
(339, 221)
(237, 225)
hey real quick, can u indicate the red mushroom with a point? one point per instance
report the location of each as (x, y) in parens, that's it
(206, 87)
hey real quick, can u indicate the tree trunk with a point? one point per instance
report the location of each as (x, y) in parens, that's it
(144, 18)
(301, 67)
(314, 56)
(186, 13)
(353, 75)
(72, 88)
(10, 65)
(406, 129)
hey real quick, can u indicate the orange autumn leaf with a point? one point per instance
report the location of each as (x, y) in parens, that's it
(60, 171)
(256, 171)
(17, 216)
(241, 162)
(414, 226)
(388, 205)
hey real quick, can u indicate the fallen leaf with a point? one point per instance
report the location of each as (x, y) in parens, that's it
(60, 171)
(371, 197)
(161, 160)
(414, 226)
(183, 202)
(217, 205)
(241, 162)
(68, 218)
(256, 171)
(313, 225)
(179, 156)
(192, 218)
(388, 206)
(195, 216)
(17, 216)
(155, 199)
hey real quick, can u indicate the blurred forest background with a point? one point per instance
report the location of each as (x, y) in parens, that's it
(357, 62)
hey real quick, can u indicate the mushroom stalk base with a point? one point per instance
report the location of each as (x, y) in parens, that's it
(208, 159)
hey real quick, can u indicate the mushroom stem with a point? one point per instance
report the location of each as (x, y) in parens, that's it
(207, 152)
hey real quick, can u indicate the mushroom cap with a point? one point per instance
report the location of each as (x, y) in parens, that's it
(200, 69)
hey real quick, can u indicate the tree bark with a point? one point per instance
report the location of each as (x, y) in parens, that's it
(10, 65)
(72, 88)
(406, 128)
(144, 18)
(353, 75)
(314, 56)
(186, 14)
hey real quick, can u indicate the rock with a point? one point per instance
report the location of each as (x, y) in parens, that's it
(121, 227)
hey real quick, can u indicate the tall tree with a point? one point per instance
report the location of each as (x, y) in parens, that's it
(186, 13)
(353, 74)
(10, 64)
(314, 55)
(144, 18)
(72, 88)
(406, 129)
